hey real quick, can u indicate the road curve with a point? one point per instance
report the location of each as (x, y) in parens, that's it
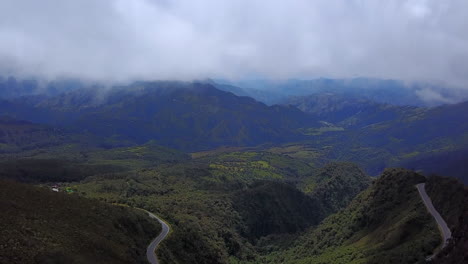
(444, 230)
(150, 251)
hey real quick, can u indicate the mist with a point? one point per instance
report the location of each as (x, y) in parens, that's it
(118, 40)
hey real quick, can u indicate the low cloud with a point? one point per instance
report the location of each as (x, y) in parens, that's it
(422, 40)
(433, 97)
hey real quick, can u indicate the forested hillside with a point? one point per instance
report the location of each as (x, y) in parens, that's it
(387, 223)
(41, 226)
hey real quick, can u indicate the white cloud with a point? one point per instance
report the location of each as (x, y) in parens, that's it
(418, 8)
(430, 96)
(181, 39)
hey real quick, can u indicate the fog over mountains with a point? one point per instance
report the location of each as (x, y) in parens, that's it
(416, 40)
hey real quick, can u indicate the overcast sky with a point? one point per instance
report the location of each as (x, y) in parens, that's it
(193, 39)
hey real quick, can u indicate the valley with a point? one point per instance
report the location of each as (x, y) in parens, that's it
(236, 180)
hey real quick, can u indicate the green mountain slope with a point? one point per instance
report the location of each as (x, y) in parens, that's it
(66, 163)
(385, 224)
(41, 226)
(189, 116)
(335, 185)
(271, 207)
(249, 206)
(221, 219)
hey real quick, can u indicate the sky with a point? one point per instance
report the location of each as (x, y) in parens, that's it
(414, 40)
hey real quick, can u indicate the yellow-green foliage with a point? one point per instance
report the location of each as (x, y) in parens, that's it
(263, 164)
(252, 165)
(411, 155)
(136, 157)
(298, 151)
(320, 130)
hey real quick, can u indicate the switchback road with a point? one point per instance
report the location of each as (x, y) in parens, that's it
(444, 230)
(150, 251)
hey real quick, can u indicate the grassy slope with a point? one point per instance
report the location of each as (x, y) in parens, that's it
(40, 226)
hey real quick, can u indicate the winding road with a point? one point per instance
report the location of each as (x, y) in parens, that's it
(445, 231)
(150, 251)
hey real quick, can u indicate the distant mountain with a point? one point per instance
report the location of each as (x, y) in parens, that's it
(16, 135)
(418, 128)
(198, 116)
(416, 134)
(350, 111)
(379, 90)
(11, 87)
(449, 163)
(189, 116)
(265, 96)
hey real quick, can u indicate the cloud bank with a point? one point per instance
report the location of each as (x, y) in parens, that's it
(424, 40)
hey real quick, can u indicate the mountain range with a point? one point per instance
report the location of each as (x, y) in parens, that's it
(189, 116)
(307, 180)
(378, 90)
